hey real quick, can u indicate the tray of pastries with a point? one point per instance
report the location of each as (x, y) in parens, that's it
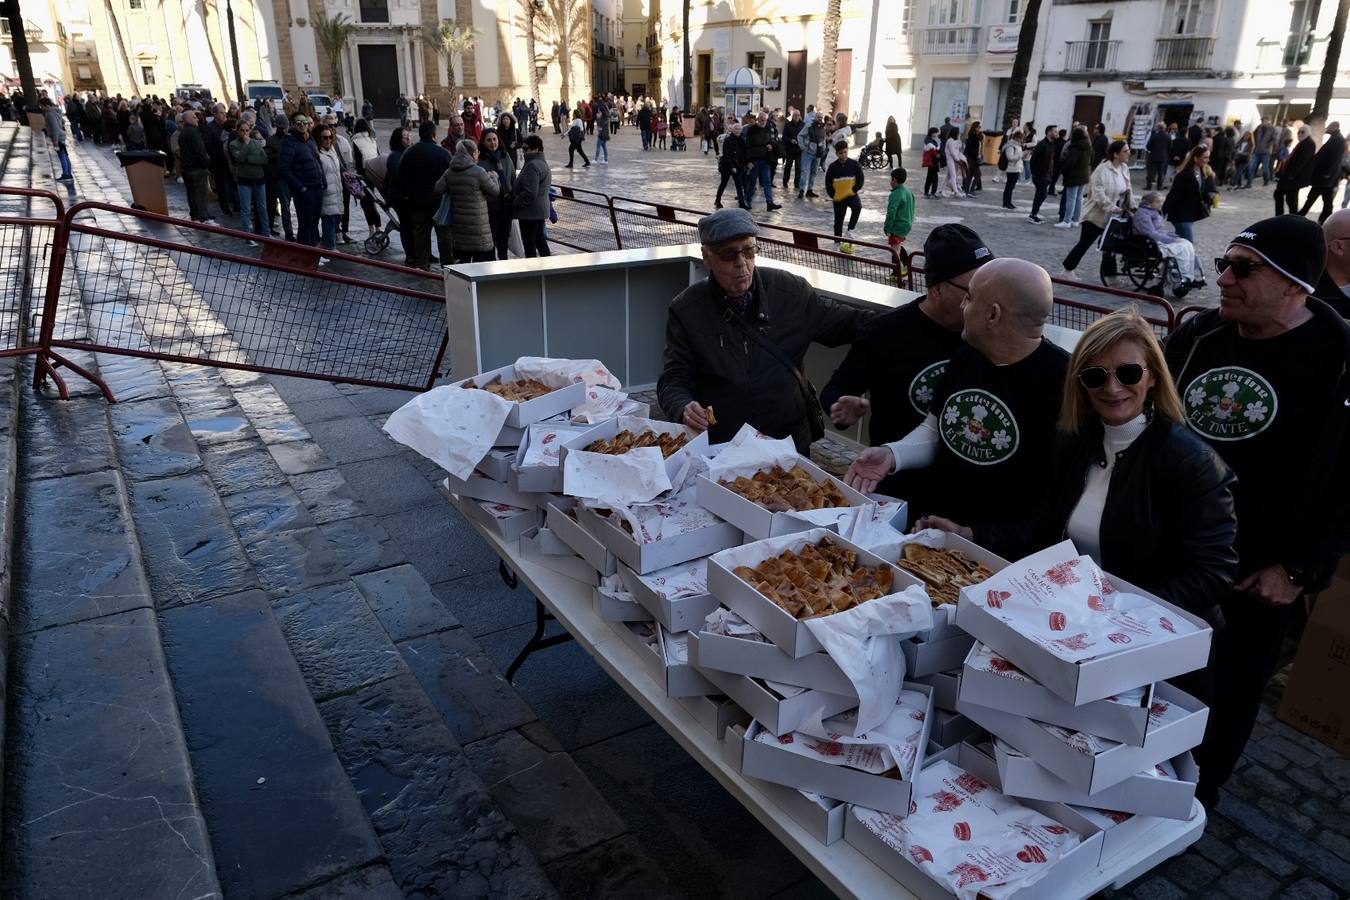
(514, 391)
(945, 572)
(794, 490)
(819, 580)
(631, 440)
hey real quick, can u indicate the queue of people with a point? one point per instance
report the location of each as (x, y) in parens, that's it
(1167, 463)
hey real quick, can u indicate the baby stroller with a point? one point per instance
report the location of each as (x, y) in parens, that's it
(378, 241)
(677, 137)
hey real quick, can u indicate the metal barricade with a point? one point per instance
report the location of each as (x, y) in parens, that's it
(585, 221)
(31, 240)
(638, 223)
(1078, 304)
(134, 287)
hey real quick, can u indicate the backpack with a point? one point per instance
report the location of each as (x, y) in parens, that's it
(575, 134)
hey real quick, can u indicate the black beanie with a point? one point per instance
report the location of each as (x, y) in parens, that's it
(953, 250)
(1294, 247)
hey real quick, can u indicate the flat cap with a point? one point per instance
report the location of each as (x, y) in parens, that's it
(724, 225)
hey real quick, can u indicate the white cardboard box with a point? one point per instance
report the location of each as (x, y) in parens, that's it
(574, 567)
(1118, 830)
(758, 522)
(772, 710)
(951, 728)
(679, 679)
(945, 686)
(944, 616)
(1091, 773)
(678, 614)
(923, 658)
(1140, 793)
(480, 487)
(649, 557)
(613, 610)
(770, 762)
(522, 414)
(533, 479)
(1104, 718)
(697, 446)
(551, 545)
(716, 713)
(732, 743)
(1057, 883)
(1091, 679)
(507, 522)
(775, 623)
(570, 532)
(821, 817)
(496, 464)
(758, 659)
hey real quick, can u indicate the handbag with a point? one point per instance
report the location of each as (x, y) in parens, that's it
(514, 243)
(815, 415)
(442, 215)
(352, 182)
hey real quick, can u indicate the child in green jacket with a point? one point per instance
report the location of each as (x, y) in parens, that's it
(899, 210)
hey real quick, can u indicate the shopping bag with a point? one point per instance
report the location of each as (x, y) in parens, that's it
(513, 241)
(442, 216)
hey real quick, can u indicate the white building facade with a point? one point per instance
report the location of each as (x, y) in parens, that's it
(1212, 62)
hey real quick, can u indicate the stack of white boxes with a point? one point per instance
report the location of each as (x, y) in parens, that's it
(1105, 739)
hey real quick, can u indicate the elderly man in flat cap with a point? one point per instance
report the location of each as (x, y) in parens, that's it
(736, 340)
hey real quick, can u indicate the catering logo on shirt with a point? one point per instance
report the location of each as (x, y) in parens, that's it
(978, 427)
(1230, 404)
(921, 388)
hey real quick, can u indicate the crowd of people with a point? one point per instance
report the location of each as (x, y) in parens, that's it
(1167, 463)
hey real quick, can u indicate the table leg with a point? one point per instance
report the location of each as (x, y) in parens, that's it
(537, 640)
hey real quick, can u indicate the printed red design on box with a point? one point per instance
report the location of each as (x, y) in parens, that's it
(962, 831)
(1031, 853)
(1058, 621)
(996, 598)
(1063, 574)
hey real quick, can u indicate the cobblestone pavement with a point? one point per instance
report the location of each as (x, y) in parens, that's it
(1282, 828)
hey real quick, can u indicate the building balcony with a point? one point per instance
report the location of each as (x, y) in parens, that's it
(1182, 54)
(1297, 50)
(1090, 56)
(950, 40)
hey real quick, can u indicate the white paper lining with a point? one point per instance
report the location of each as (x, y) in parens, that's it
(964, 834)
(451, 426)
(894, 744)
(1061, 600)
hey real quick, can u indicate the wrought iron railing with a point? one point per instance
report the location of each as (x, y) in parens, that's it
(1090, 56)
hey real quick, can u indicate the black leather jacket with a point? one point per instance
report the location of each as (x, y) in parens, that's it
(1168, 525)
(710, 358)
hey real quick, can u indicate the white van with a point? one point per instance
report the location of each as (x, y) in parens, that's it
(266, 90)
(322, 103)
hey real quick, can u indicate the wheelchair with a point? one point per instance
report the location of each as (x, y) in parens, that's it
(872, 157)
(1139, 260)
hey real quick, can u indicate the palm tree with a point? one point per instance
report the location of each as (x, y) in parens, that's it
(532, 8)
(450, 43)
(332, 35)
(1017, 83)
(1322, 102)
(688, 73)
(566, 25)
(825, 96)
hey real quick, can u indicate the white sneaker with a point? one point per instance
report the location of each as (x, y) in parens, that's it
(210, 222)
(323, 260)
(253, 243)
(1063, 224)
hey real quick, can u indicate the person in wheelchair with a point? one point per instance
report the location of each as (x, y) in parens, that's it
(873, 155)
(1182, 268)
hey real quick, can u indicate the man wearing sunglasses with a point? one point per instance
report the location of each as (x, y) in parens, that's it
(988, 436)
(736, 340)
(900, 358)
(1264, 380)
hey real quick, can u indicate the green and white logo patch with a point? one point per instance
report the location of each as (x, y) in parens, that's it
(1230, 404)
(978, 427)
(924, 384)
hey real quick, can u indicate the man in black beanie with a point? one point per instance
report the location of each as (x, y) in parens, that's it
(1263, 380)
(901, 356)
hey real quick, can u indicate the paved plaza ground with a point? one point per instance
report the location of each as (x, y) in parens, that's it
(297, 642)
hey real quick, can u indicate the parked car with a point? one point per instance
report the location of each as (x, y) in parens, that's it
(266, 90)
(323, 104)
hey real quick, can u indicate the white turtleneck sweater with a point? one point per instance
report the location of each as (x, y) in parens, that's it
(1085, 523)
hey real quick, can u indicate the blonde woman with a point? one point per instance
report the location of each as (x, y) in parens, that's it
(1135, 490)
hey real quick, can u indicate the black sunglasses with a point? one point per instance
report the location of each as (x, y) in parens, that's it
(1241, 267)
(730, 255)
(1127, 374)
